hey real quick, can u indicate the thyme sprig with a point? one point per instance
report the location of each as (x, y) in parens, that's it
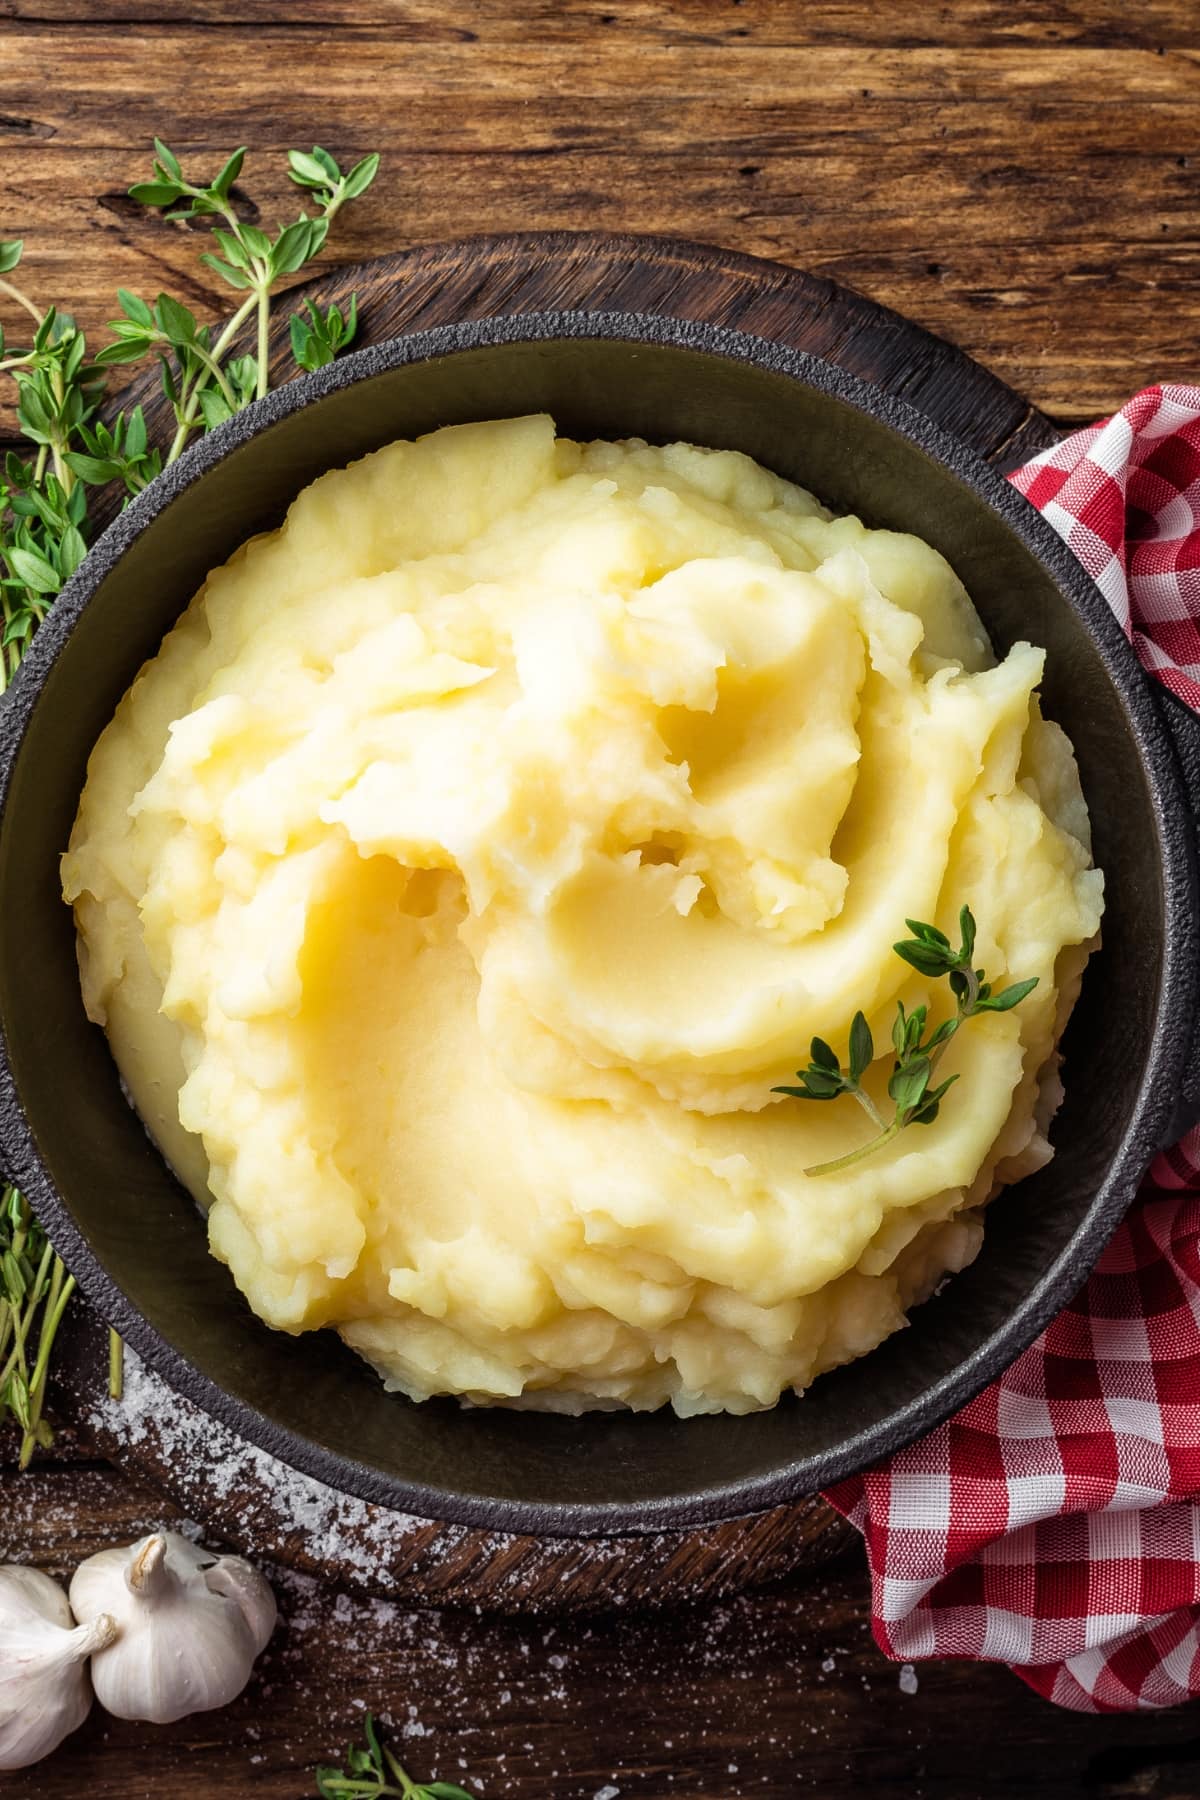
(372, 1773)
(203, 383)
(45, 530)
(34, 1291)
(916, 1099)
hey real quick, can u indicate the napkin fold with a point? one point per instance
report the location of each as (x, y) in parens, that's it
(1054, 1523)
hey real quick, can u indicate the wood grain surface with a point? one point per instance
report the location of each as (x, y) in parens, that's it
(1017, 177)
(778, 1696)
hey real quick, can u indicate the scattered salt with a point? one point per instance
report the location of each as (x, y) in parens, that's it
(908, 1679)
(256, 1499)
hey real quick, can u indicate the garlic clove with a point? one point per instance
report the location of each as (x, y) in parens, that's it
(242, 1584)
(191, 1625)
(45, 1692)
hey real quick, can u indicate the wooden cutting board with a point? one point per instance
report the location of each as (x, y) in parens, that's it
(230, 1488)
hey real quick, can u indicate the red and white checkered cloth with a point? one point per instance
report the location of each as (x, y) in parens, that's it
(1054, 1523)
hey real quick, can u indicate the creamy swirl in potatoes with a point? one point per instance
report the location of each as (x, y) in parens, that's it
(480, 849)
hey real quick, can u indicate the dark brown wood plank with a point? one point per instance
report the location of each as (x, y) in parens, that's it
(1017, 177)
(965, 24)
(778, 1696)
(1031, 196)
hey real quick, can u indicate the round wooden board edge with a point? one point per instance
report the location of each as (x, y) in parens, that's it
(512, 273)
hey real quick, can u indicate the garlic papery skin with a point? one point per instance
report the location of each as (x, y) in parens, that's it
(44, 1687)
(190, 1626)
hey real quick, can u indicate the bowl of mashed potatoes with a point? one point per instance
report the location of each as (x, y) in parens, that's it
(487, 772)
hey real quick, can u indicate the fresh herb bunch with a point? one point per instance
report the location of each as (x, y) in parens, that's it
(45, 530)
(34, 1290)
(203, 383)
(374, 1774)
(915, 1099)
(43, 512)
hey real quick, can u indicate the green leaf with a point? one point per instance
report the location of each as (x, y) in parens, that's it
(229, 174)
(908, 1083)
(308, 171)
(135, 434)
(235, 277)
(326, 162)
(1008, 997)
(862, 1047)
(130, 328)
(966, 924)
(822, 1055)
(71, 551)
(96, 471)
(214, 407)
(10, 254)
(14, 1276)
(155, 193)
(256, 241)
(34, 420)
(35, 505)
(310, 349)
(301, 333)
(294, 246)
(20, 626)
(135, 308)
(361, 176)
(821, 1084)
(32, 570)
(168, 159)
(932, 1103)
(914, 1027)
(944, 1032)
(242, 375)
(176, 321)
(371, 1733)
(124, 350)
(232, 248)
(927, 959)
(928, 934)
(73, 359)
(446, 1790)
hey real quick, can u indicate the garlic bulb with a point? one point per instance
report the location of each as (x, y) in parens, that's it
(190, 1626)
(44, 1688)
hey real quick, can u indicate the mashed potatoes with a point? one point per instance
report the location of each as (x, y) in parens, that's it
(480, 848)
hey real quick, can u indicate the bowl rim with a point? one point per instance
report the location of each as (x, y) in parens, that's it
(1152, 1105)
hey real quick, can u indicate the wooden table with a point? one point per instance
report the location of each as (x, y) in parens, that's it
(1021, 178)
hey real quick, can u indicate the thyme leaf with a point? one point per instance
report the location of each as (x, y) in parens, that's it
(372, 1773)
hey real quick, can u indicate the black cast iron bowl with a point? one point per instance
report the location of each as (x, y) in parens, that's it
(134, 1238)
